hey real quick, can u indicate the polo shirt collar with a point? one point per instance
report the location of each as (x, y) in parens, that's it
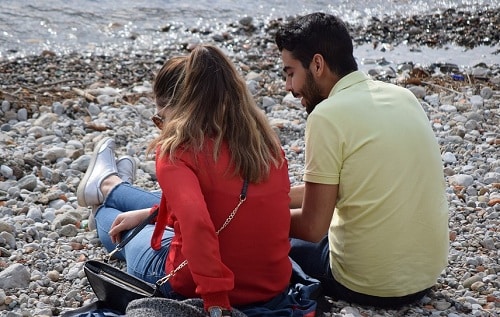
(349, 80)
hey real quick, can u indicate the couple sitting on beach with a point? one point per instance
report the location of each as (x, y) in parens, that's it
(369, 224)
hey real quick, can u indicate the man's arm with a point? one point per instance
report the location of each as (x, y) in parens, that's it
(311, 222)
(296, 196)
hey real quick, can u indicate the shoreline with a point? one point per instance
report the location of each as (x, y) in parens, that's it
(451, 27)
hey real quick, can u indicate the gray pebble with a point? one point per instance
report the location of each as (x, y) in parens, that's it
(22, 114)
(14, 276)
(418, 91)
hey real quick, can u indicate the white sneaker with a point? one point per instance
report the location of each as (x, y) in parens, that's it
(102, 164)
(127, 167)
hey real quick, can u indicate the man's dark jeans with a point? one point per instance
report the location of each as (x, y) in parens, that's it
(314, 259)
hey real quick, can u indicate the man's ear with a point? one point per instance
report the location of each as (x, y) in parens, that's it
(317, 65)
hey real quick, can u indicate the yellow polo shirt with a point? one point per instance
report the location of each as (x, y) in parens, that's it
(389, 232)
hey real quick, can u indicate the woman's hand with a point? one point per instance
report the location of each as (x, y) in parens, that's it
(126, 221)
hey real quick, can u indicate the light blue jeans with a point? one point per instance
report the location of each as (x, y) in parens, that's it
(142, 261)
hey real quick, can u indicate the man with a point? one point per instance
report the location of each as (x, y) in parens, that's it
(371, 220)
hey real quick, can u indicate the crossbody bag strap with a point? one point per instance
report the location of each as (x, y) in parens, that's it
(243, 197)
(145, 222)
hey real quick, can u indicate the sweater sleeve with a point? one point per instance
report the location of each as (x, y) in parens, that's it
(200, 244)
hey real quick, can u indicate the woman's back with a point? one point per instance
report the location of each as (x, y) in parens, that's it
(212, 136)
(253, 247)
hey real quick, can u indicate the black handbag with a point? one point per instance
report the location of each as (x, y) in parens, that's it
(115, 289)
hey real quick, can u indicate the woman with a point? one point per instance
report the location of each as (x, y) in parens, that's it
(213, 137)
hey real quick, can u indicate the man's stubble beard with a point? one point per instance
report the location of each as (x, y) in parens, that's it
(311, 93)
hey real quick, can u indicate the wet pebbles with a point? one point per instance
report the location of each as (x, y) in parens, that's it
(53, 110)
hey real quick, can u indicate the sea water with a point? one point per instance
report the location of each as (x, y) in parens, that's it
(63, 26)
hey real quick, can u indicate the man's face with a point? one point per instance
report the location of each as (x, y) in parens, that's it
(301, 82)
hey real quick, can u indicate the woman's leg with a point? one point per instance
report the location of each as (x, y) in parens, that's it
(121, 198)
(142, 261)
(127, 197)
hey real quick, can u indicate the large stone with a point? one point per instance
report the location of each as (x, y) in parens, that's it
(15, 276)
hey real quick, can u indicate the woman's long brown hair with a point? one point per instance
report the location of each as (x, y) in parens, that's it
(214, 102)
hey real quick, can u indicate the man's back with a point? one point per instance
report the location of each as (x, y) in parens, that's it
(388, 236)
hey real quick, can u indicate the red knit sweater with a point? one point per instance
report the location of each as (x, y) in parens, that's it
(248, 262)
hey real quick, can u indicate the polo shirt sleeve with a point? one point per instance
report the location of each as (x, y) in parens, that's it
(324, 150)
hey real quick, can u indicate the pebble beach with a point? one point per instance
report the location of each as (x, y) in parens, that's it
(55, 107)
